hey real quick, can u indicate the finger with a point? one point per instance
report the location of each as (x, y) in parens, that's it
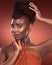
(19, 43)
(30, 3)
(36, 10)
(32, 9)
(15, 43)
(33, 5)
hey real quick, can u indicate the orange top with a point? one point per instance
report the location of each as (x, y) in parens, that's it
(28, 58)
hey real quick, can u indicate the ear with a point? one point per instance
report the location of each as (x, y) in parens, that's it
(30, 26)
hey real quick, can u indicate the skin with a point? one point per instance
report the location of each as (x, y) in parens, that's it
(38, 14)
(4, 59)
(20, 29)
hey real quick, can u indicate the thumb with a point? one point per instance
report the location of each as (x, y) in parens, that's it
(15, 43)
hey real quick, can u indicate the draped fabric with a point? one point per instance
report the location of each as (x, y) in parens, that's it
(28, 58)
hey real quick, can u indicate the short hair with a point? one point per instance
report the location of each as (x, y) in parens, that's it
(21, 8)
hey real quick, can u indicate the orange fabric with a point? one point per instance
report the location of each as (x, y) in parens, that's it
(47, 60)
(28, 58)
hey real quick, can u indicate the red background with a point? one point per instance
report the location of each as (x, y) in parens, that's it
(40, 31)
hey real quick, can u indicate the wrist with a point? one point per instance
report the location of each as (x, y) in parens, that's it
(18, 51)
(39, 17)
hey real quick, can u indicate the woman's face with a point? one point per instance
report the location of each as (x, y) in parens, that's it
(20, 28)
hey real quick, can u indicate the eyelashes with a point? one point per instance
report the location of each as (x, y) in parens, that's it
(18, 25)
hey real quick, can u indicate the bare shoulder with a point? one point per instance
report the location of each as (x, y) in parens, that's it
(9, 49)
(46, 45)
(5, 52)
(2, 56)
(43, 48)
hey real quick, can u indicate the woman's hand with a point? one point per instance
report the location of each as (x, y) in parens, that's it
(12, 59)
(38, 14)
(18, 45)
(35, 9)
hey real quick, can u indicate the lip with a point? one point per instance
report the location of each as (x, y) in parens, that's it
(16, 35)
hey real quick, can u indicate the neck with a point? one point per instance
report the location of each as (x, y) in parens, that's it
(26, 41)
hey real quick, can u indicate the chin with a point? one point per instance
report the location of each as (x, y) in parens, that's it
(17, 39)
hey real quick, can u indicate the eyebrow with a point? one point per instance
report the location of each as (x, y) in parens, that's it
(16, 24)
(19, 24)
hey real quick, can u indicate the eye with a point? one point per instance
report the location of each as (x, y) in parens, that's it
(12, 25)
(19, 25)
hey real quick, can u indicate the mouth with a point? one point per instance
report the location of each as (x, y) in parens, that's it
(16, 35)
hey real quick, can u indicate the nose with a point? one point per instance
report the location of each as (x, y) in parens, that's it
(15, 28)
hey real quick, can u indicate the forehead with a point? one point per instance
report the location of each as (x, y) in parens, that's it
(22, 20)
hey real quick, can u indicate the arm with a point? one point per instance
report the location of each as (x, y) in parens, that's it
(45, 47)
(48, 46)
(49, 21)
(12, 59)
(2, 57)
(38, 15)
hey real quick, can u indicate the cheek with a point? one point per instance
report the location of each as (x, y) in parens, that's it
(21, 30)
(12, 29)
(25, 32)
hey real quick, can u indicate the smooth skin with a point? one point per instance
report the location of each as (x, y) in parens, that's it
(20, 29)
(38, 14)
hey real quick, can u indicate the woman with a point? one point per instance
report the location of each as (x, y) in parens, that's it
(22, 51)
